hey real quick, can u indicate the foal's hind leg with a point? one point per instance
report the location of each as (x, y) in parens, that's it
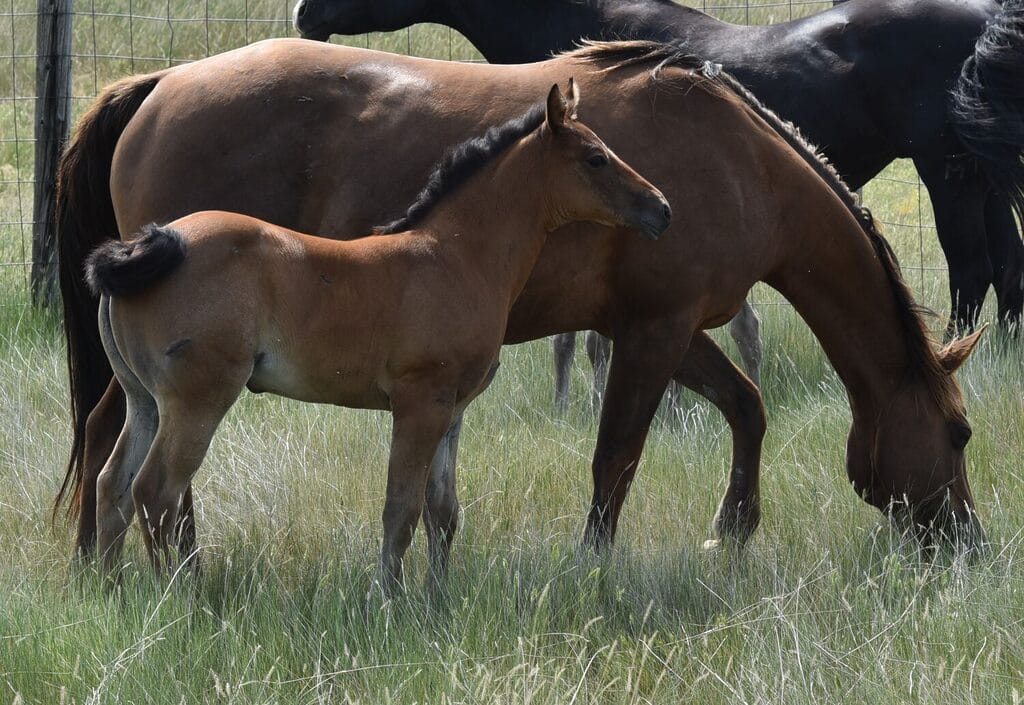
(707, 371)
(1006, 252)
(114, 505)
(564, 345)
(441, 515)
(181, 442)
(745, 329)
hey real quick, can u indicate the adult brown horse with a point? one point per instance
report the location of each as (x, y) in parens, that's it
(869, 81)
(303, 120)
(410, 320)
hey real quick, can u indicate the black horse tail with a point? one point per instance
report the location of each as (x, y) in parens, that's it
(85, 218)
(987, 110)
(120, 269)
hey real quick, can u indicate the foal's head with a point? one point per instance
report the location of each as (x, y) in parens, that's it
(585, 180)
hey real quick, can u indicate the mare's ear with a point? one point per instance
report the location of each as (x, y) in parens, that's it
(574, 98)
(956, 353)
(558, 108)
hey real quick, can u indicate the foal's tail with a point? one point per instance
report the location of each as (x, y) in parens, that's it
(120, 269)
(85, 218)
(987, 110)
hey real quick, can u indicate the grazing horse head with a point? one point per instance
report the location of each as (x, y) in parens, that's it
(905, 454)
(319, 19)
(597, 186)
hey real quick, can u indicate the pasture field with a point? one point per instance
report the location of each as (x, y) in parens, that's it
(826, 605)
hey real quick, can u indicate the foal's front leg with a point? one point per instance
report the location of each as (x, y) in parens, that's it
(422, 412)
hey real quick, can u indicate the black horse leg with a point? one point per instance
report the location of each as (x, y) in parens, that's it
(1006, 253)
(643, 360)
(564, 345)
(958, 193)
(599, 350)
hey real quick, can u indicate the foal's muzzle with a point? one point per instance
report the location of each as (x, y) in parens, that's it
(653, 217)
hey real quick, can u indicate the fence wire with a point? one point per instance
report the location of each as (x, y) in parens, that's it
(115, 38)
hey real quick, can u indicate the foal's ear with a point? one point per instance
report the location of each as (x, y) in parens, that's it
(574, 98)
(558, 108)
(956, 353)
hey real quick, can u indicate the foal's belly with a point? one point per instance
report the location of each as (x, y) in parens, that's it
(340, 385)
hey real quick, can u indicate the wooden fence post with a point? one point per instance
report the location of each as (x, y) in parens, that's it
(52, 117)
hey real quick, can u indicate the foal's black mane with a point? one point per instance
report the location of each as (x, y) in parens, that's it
(711, 77)
(461, 162)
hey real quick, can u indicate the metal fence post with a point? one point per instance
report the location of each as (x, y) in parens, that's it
(52, 117)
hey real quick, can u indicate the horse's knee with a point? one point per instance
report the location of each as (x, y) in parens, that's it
(750, 412)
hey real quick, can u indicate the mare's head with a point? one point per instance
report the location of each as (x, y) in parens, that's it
(906, 455)
(319, 19)
(585, 180)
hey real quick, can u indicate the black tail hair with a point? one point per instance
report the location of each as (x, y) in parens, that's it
(120, 269)
(987, 108)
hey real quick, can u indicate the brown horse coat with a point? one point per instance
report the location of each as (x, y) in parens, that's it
(328, 136)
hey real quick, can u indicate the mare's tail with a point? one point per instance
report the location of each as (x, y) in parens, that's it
(120, 269)
(987, 108)
(85, 218)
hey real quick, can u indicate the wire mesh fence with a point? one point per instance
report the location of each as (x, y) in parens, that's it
(115, 38)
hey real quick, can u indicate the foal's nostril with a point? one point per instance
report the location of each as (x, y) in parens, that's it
(666, 210)
(300, 9)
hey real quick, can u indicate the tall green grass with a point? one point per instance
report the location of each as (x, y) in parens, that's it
(825, 606)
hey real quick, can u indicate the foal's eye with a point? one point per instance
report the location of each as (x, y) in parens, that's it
(597, 161)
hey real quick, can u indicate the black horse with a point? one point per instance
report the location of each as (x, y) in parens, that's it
(938, 81)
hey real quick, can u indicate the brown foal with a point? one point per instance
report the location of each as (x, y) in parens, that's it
(411, 319)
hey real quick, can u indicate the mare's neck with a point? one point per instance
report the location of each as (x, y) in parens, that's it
(514, 31)
(497, 222)
(839, 286)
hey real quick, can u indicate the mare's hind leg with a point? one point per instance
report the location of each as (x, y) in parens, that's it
(958, 195)
(422, 410)
(114, 506)
(1006, 252)
(441, 514)
(707, 371)
(102, 429)
(644, 358)
(745, 329)
(564, 345)
(599, 350)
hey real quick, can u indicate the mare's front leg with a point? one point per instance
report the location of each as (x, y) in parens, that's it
(707, 371)
(958, 192)
(1006, 252)
(422, 410)
(643, 360)
(564, 345)
(441, 514)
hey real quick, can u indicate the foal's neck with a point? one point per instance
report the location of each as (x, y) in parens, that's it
(498, 220)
